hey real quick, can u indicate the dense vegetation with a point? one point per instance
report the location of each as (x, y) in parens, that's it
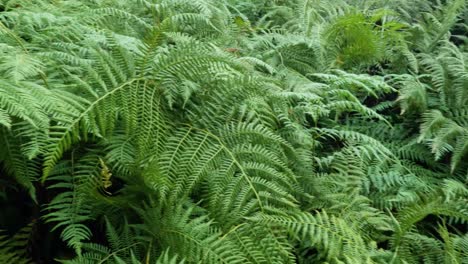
(232, 131)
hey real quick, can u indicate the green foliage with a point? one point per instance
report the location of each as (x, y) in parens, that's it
(14, 249)
(233, 131)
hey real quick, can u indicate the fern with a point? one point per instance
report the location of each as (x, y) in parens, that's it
(234, 131)
(15, 248)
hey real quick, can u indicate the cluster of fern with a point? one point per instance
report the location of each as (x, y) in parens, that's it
(232, 131)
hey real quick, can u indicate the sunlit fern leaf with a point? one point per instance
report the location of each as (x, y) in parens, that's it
(196, 133)
(440, 132)
(121, 153)
(337, 238)
(262, 244)
(19, 66)
(191, 155)
(408, 217)
(191, 236)
(460, 151)
(120, 14)
(455, 246)
(413, 94)
(5, 119)
(382, 151)
(19, 100)
(167, 258)
(440, 22)
(95, 253)
(96, 118)
(71, 208)
(348, 47)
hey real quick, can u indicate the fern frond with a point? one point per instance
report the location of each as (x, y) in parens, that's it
(337, 238)
(15, 249)
(70, 209)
